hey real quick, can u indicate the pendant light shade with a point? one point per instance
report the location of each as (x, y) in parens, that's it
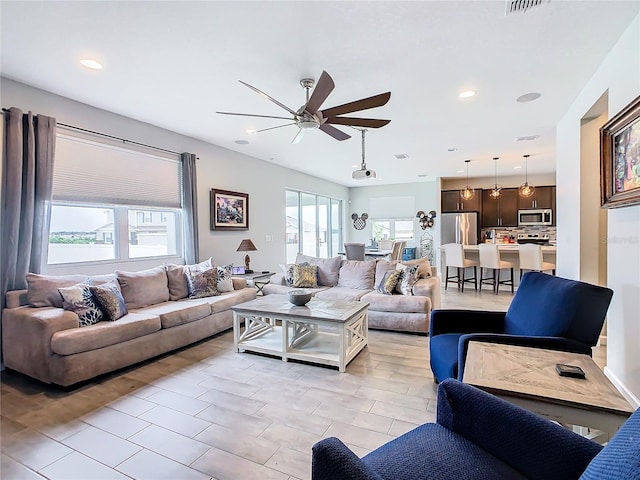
(467, 193)
(496, 190)
(525, 189)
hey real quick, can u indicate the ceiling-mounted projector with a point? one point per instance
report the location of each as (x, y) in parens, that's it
(363, 174)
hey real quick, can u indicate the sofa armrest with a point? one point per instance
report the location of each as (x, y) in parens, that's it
(277, 279)
(465, 321)
(239, 283)
(531, 444)
(16, 298)
(428, 287)
(26, 337)
(332, 460)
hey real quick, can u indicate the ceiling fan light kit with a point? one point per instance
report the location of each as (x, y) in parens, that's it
(467, 193)
(525, 189)
(496, 190)
(310, 117)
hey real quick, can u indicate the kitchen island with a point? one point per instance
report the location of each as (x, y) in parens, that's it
(508, 252)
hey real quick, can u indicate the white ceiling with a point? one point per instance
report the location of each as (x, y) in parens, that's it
(174, 64)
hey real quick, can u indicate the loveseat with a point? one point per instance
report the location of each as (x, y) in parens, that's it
(57, 345)
(354, 280)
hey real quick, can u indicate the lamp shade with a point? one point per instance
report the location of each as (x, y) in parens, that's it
(246, 245)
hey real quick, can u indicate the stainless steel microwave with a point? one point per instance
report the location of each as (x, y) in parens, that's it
(535, 217)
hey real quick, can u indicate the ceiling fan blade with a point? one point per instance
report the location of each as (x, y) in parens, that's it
(253, 115)
(358, 122)
(268, 97)
(271, 128)
(298, 136)
(363, 104)
(334, 132)
(320, 93)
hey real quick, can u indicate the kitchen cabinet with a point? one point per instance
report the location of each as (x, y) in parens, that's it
(451, 201)
(543, 197)
(501, 212)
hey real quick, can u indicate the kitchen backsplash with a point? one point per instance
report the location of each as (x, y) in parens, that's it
(513, 232)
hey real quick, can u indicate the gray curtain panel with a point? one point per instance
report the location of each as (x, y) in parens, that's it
(190, 205)
(29, 144)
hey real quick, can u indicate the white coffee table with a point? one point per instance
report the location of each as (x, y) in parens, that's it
(328, 332)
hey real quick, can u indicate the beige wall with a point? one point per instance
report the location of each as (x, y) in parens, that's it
(619, 77)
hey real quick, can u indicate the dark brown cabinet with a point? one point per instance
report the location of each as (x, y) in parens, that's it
(501, 212)
(451, 201)
(543, 197)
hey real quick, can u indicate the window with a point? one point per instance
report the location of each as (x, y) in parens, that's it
(112, 203)
(396, 229)
(313, 225)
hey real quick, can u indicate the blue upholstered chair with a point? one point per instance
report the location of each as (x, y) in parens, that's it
(546, 312)
(479, 436)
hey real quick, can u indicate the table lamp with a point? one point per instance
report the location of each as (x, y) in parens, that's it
(246, 245)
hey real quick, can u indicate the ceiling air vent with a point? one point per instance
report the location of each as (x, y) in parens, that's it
(515, 6)
(528, 138)
(401, 156)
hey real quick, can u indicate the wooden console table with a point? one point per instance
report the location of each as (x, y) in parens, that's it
(526, 377)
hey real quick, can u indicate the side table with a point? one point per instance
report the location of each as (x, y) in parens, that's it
(258, 279)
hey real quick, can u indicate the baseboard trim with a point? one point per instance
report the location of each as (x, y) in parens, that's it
(626, 393)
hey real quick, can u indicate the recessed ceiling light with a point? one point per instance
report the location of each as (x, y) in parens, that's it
(355, 166)
(452, 149)
(459, 171)
(242, 142)
(517, 167)
(250, 131)
(528, 97)
(92, 64)
(467, 94)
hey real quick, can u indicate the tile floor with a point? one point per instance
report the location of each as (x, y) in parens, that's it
(206, 412)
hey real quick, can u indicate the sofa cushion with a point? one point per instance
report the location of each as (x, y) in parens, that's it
(277, 289)
(202, 284)
(174, 313)
(110, 300)
(342, 293)
(177, 279)
(397, 303)
(357, 274)
(305, 276)
(382, 267)
(424, 267)
(144, 288)
(43, 289)
(103, 334)
(328, 268)
(102, 279)
(79, 300)
(225, 301)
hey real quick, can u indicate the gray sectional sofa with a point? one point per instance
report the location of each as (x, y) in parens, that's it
(340, 279)
(46, 342)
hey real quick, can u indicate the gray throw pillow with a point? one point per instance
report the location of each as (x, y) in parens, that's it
(79, 300)
(357, 274)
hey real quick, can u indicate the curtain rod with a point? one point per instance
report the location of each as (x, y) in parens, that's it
(124, 140)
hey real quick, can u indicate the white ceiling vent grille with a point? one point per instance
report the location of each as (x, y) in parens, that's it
(527, 138)
(515, 6)
(401, 156)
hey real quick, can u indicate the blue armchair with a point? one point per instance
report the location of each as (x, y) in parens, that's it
(479, 436)
(546, 312)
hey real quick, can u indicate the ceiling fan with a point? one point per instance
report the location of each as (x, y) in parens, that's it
(309, 116)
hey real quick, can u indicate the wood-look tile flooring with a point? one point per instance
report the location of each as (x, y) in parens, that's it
(205, 412)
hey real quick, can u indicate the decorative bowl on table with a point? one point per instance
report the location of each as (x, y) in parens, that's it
(299, 297)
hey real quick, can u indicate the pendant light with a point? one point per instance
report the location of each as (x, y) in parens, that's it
(497, 189)
(525, 189)
(467, 193)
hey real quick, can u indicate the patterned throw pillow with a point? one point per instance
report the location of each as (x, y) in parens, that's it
(389, 282)
(79, 300)
(408, 279)
(110, 300)
(305, 276)
(224, 283)
(202, 284)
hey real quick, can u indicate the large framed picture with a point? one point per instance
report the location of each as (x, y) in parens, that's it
(620, 158)
(229, 210)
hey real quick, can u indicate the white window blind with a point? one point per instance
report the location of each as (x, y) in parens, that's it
(96, 172)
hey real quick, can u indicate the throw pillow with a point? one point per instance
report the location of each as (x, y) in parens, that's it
(408, 279)
(202, 284)
(224, 283)
(424, 270)
(328, 268)
(176, 276)
(357, 274)
(305, 276)
(79, 300)
(110, 300)
(389, 282)
(144, 288)
(287, 273)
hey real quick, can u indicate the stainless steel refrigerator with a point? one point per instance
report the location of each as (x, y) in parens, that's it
(459, 228)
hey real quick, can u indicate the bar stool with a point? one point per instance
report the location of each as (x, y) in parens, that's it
(396, 250)
(490, 258)
(530, 257)
(454, 257)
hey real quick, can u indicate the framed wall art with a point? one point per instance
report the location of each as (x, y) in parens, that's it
(229, 210)
(620, 158)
